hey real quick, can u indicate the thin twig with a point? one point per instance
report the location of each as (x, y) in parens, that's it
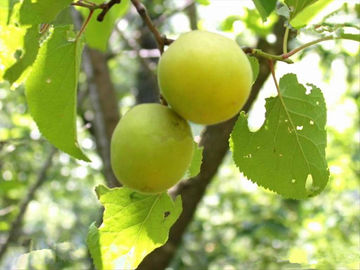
(82, 29)
(291, 53)
(272, 57)
(105, 7)
(161, 41)
(14, 227)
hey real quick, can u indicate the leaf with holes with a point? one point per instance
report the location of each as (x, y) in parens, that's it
(287, 154)
(51, 90)
(134, 224)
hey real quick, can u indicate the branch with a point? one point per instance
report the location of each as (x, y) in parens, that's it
(215, 142)
(15, 225)
(161, 41)
(105, 7)
(104, 102)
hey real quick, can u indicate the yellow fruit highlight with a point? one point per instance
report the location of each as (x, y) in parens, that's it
(205, 77)
(151, 148)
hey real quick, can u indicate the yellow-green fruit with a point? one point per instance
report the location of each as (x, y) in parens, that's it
(205, 77)
(151, 148)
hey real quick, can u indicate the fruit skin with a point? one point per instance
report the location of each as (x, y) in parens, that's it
(151, 148)
(205, 77)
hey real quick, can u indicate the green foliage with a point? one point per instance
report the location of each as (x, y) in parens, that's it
(290, 146)
(265, 7)
(29, 50)
(134, 224)
(224, 234)
(254, 66)
(196, 161)
(296, 6)
(227, 24)
(203, 2)
(97, 33)
(36, 260)
(41, 11)
(304, 12)
(350, 36)
(51, 90)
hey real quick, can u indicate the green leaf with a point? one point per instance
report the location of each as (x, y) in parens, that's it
(253, 22)
(41, 11)
(6, 10)
(254, 67)
(265, 7)
(203, 2)
(304, 16)
(36, 260)
(29, 49)
(97, 33)
(196, 161)
(350, 36)
(227, 24)
(51, 90)
(134, 224)
(296, 6)
(287, 154)
(11, 45)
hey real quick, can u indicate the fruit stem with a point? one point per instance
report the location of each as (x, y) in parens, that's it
(287, 55)
(272, 57)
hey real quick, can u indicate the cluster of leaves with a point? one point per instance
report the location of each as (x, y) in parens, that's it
(289, 148)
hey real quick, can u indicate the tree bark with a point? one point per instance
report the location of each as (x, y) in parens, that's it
(104, 103)
(215, 141)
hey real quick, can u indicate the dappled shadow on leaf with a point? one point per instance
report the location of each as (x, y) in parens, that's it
(29, 53)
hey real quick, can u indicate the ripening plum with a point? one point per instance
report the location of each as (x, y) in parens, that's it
(205, 77)
(151, 148)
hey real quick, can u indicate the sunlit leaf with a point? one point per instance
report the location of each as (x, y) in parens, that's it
(304, 16)
(29, 49)
(41, 11)
(134, 224)
(203, 2)
(287, 154)
(265, 7)
(296, 6)
(51, 90)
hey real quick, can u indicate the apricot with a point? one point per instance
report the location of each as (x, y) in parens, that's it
(205, 77)
(151, 148)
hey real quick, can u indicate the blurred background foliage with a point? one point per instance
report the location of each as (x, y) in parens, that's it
(238, 225)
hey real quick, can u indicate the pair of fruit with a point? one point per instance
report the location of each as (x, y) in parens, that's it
(205, 78)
